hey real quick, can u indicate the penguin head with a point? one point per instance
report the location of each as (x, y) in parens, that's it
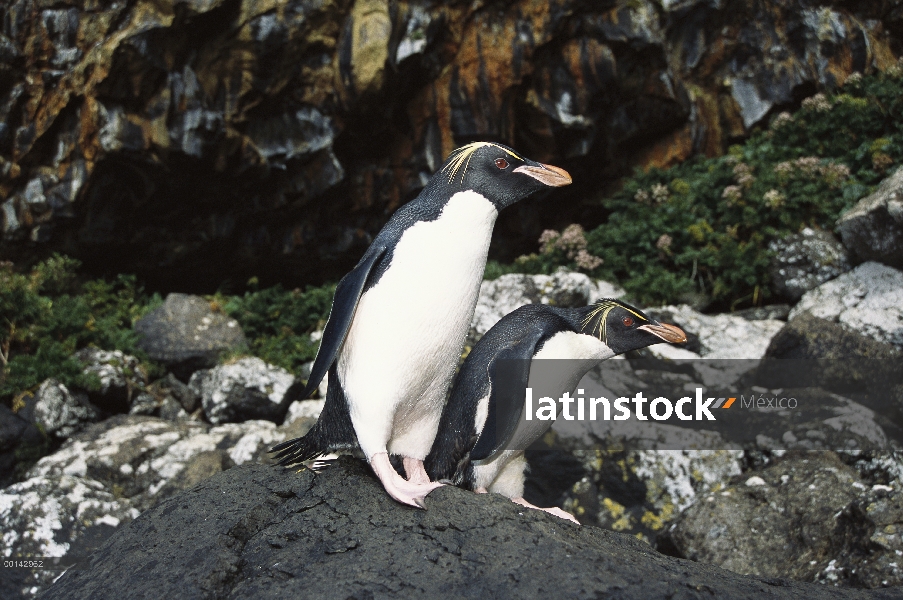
(624, 328)
(497, 173)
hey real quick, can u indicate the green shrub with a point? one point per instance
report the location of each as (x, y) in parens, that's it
(703, 227)
(48, 314)
(278, 322)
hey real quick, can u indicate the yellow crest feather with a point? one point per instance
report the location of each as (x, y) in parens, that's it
(462, 156)
(601, 310)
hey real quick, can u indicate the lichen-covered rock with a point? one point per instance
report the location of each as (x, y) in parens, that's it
(185, 334)
(498, 297)
(337, 534)
(245, 389)
(805, 260)
(808, 337)
(61, 413)
(722, 336)
(873, 229)
(867, 300)
(143, 458)
(54, 517)
(809, 517)
(121, 376)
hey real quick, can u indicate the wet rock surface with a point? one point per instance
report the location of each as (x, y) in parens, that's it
(338, 535)
(185, 334)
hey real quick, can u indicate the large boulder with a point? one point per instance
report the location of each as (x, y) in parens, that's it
(186, 335)
(723, 336)
(804, 260)
(146, 459)
(873, 229)
(807, 337)
(498, 297)
(245, 389)
(868, 300)
(808, 517)
(337, 534)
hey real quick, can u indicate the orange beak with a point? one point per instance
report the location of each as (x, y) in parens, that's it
(669, 333)
(549, 175)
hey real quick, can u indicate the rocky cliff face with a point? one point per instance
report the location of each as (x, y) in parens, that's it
(193, 141)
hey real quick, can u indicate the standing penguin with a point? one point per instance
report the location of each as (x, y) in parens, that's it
(482, 433)
(399, 318)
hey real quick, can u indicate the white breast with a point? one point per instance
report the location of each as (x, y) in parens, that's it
(408, 330)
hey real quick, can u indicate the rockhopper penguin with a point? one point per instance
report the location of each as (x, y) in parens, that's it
(399, 318)
(483, 433)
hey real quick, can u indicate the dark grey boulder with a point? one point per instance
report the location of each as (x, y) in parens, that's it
(804, 260)
(873, 229)
(261, 532)
(809, 337)
(803, 517)
(185, 334)
(11, 429)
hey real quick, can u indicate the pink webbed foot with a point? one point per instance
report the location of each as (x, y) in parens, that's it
(552, 511)
(407, 492)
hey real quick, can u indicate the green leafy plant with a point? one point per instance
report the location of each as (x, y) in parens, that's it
(278, 322)
(48, 314)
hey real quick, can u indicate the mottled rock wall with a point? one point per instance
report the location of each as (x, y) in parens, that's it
(197, 142)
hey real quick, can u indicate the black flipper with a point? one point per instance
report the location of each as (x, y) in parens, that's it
(509, 373)
(344, 304)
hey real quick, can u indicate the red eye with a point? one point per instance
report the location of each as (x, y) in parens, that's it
(501, 163)
(628, 321)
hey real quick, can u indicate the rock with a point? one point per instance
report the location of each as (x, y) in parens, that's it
(61, 413)
(246, 389)
(868, 300)
(54, 517)
(141, 458)
(275, 531)
(873, 229)
(498, 297)
(722, 336)
(304, 409)
(797, 521)
(762, 313)
(171, 410)
(186, 335)
(145, 404)
(805, 260)
(187, 397)
(806, 337)
(11, 429)
(120, 377)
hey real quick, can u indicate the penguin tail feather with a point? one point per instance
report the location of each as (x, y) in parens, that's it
(298, 450)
